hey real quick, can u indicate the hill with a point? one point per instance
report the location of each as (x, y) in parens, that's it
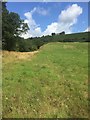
(51, 84)
(31, 44)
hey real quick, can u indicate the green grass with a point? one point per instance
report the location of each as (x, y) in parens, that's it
(74, 37)
(53, 84)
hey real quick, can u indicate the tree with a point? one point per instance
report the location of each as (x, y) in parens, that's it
(12, 26)
(53, 34)
(62, 33)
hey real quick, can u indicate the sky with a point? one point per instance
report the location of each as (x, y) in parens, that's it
(44, 18)
(48, 0)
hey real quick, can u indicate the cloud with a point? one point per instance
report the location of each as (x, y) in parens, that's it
(70, 15)
(40, 10)
(65, 21)
(87, 30)
(35, 30)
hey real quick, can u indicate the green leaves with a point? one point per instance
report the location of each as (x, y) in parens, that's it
(12, 26)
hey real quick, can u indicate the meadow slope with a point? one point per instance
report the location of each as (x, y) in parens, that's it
(52, 83)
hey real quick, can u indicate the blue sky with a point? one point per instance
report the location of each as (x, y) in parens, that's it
(44, 18)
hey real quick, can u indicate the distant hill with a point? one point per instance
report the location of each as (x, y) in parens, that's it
(75, 37)
(31, 44)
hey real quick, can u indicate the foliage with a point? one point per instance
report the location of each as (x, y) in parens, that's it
(53, 34)
(32, 44)
(12, 26)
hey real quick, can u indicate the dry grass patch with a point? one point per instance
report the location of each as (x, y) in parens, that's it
(14, 56)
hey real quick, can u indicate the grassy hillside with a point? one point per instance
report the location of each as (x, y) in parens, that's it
(51, 83)
(31, 44)
(76, 37)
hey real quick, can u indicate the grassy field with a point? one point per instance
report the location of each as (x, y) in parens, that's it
(50, 83)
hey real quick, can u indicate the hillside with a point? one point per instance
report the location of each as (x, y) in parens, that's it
(52, 83)
(32, 44)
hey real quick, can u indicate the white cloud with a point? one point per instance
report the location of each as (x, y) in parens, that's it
(70, 15)
(88, 29)
(65, 21)
(35, 30)
(42, 11)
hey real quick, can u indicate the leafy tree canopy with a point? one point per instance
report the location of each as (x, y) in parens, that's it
(12, 26)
